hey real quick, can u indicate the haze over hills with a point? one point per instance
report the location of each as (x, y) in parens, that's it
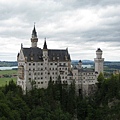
(109, 64)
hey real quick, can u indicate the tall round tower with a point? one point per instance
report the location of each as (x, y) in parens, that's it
(99, 61)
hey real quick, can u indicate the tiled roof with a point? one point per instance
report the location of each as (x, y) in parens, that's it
(57, 54)
(33, 54)
(36, 54)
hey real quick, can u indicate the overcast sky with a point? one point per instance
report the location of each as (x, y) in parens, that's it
(82, 26)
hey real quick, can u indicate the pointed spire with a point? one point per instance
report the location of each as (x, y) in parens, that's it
(34, 38)
(45, 44)
(34, 33)
(21, 46)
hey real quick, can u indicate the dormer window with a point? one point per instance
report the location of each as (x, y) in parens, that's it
(58, 58)
(53, 58)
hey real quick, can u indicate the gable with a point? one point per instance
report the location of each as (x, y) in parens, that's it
(21, 56)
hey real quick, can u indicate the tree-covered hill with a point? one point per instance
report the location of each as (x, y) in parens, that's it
(59, 102)
(8, 63)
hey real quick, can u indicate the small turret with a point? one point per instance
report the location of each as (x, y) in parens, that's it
(79, 64)
(45, 50)
(34, 38)
(45, 45)
(21, 46)
(99, 53)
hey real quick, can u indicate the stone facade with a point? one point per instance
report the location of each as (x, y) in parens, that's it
(36, 66)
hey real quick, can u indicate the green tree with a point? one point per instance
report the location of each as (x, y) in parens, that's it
(100, 78)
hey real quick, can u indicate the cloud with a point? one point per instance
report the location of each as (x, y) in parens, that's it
(82, 26)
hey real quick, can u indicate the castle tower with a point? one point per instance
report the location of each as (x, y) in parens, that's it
(79, 64)
(99, 61)
(34, 38)
(45, 59)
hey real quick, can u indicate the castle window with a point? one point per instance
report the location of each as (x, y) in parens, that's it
(41, 77)
(29, 63)
(33, 69)
(53, 68)
(33, 63)
(38, 82)
(51, 63)
(55, 63)
(41, 82)
(41, 68)
(29, 69)
(29, 73)
(56, 68)
(41, 73)
(29, 78)
(41, 63)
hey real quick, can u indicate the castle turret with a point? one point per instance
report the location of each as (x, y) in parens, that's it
(79, 64)
(45, 45)
(99, 61)
(34, 38)
(45, 59)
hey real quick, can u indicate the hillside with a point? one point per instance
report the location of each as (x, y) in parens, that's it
(59, 102)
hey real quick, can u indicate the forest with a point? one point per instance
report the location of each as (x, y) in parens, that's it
(59, 102)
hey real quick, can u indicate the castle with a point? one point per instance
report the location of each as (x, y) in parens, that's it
(40, 65)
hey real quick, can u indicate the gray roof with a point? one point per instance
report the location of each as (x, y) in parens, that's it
(86, 70)
(45, 45)
(34, 33)
(57, 54)
(98, 50)
(36, 54)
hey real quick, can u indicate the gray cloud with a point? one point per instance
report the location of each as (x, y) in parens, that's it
(80, 25)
